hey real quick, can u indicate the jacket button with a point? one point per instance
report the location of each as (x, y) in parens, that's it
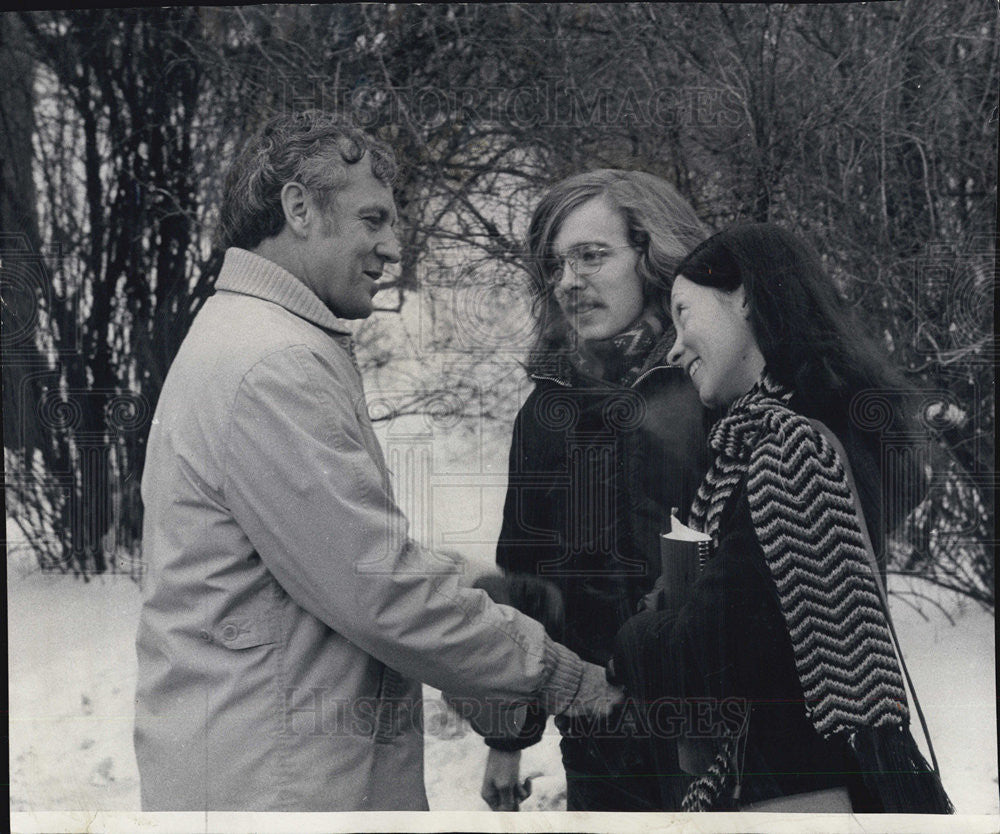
(204, 635)
(229, 632)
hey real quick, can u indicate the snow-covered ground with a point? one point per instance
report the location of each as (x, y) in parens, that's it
(71, 658)
(72, 675)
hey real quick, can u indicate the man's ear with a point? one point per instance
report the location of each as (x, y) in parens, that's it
(295, 203)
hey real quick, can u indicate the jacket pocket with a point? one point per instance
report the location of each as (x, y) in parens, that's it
(242, 632)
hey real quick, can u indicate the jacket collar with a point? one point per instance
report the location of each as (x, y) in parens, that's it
(249, 274)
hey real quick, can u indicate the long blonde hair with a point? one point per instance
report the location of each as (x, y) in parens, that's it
(660, 223)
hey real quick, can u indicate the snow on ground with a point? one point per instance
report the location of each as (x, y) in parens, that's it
(71, 672)
(954, 672)
(72, 675)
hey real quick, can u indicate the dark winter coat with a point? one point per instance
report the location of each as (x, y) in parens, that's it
(594, 471)
(729, 644)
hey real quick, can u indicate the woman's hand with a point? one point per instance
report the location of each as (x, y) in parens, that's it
(653, 601)
(501, 789)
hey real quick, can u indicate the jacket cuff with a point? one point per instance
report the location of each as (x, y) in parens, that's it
(531, 733)
(560, 690)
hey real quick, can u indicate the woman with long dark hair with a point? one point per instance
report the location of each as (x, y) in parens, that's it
(784, 644)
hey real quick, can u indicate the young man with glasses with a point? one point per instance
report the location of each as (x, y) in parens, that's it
(610, 439)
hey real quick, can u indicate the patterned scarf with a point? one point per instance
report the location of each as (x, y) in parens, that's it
(623, 357)
(806, 521)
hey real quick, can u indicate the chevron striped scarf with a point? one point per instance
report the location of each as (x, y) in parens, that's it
(804, 515)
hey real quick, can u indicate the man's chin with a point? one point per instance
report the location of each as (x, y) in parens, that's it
(595, 334)
(352, 313)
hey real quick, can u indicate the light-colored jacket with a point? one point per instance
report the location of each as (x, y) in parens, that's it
(287, 617)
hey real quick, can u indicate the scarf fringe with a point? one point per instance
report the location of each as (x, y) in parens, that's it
(896, 773)
(715, 790)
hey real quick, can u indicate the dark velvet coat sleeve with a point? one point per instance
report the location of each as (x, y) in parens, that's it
(727, 654)
(704, 649)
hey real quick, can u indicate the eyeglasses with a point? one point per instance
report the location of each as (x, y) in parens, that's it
(585, 260)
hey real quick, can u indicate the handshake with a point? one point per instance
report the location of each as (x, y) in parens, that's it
(542, 601)
(503, 789)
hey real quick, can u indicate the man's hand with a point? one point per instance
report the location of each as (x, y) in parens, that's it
(596, 697)
(501, 789)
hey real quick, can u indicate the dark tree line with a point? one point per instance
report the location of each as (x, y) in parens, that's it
(120, 273)
(869, 129)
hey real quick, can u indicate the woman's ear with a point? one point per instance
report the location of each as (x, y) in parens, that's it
(740, 301)
(745, 302)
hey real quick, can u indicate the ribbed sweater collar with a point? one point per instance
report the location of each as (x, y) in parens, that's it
(250, 274)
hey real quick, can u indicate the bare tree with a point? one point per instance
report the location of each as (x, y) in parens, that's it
(869, 129)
